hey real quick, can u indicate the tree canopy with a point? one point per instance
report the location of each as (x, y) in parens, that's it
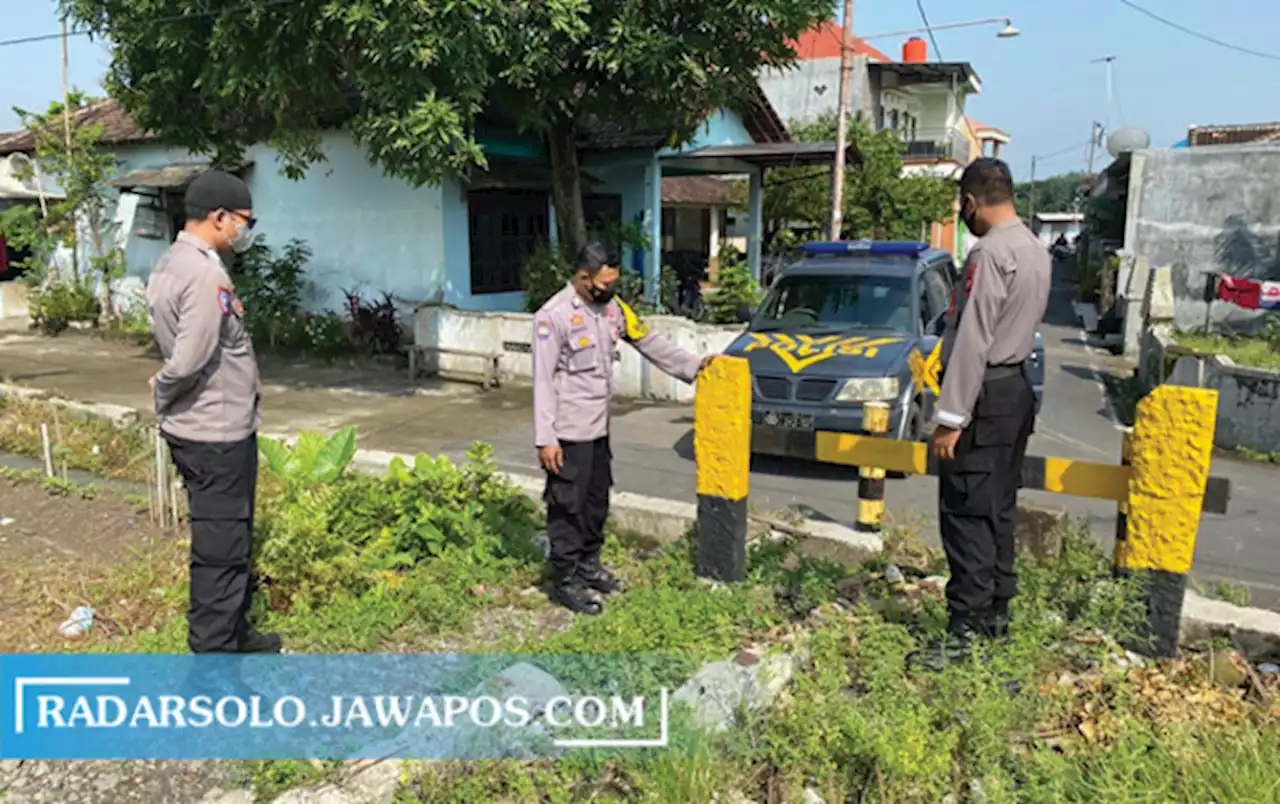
(410, 80)
(1054, 194)
(880, 202)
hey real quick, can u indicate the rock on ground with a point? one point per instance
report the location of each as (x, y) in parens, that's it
(718, 690)
(111, 781)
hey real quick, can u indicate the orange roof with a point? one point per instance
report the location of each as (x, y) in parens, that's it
(824, 41)
(980, 127)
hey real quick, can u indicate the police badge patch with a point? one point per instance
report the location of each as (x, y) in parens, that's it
(224, 300)
(544, 331)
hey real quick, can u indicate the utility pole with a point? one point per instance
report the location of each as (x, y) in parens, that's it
(1093, 144)
(842, 122)
(1108, 60)
(66, 93)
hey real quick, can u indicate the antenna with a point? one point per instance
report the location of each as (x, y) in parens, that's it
(1108, 60)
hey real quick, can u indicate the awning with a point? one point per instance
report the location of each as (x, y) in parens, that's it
(174, 176)
(775, 154)
(13, 188)
(895, 74)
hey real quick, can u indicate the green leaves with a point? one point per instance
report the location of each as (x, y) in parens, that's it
(314, 459)
(879, 201)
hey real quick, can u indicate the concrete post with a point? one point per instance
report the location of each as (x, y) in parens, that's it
(1171, 447)
(722, 450)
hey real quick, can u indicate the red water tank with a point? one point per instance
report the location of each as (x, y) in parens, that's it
(915, 51)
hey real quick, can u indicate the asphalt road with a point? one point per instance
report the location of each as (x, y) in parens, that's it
(653, 455)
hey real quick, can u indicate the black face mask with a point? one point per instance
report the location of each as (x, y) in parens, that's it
(602, 295)
(968, 218)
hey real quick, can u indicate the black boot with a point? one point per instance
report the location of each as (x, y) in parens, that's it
(1000, 619)
(252, 641)
(594, 575)
(954, 648)
(570, 591)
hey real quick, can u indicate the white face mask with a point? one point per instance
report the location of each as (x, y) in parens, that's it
(243, 239)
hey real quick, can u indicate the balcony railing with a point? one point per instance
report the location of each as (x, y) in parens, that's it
(936, 144)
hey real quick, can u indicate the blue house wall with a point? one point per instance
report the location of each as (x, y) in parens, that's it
(372, 233)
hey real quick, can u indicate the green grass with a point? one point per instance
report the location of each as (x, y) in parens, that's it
(1256, 352)
(1260, 457)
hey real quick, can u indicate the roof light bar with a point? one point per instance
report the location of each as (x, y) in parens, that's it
(887, 248)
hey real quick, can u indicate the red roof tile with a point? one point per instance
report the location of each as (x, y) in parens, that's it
(824, 42)
(702, 191)
(117, 128)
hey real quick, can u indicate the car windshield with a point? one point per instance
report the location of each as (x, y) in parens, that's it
(837, 303)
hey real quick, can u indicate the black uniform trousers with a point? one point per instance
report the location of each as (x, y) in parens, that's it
(221, 481)
(978, 493)
(578, 503)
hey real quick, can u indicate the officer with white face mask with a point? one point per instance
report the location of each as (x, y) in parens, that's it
(207, 403)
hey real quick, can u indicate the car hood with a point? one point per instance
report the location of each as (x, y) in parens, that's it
(816, 353)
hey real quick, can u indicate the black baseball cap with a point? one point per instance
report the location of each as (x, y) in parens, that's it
(218, 189)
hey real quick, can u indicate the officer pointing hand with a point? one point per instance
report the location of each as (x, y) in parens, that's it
(574, 337)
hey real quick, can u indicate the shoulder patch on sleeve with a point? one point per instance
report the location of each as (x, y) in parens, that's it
(634, 329)
(543, 330)
(224, 300)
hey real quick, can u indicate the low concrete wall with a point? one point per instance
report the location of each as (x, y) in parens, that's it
(13, 300)
(511, 336)
(1248, 399)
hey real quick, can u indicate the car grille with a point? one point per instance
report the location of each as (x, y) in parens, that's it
(774, 387)
(815, 390)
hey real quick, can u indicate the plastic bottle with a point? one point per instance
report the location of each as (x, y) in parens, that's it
(80, 622)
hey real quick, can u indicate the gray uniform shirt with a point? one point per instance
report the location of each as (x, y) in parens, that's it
(1007, 279)
(574, 343)
(208, 389)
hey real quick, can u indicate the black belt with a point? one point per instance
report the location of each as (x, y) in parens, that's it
(1004, 371)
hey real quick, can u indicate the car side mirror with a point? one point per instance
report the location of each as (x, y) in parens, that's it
(745, 313)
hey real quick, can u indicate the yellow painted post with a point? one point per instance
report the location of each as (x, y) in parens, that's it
(722, 449)
(1170, 451)
(875, 421)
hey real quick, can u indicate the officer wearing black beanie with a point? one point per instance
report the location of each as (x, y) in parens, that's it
(208, 399)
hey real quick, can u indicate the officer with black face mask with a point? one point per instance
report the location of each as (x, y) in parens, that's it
(574, 337)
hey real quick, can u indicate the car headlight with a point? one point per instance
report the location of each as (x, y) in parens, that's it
(868, 389)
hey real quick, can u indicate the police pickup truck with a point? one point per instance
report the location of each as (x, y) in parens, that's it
(848, 323)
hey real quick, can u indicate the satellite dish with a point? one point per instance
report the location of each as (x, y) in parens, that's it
(1129, 138)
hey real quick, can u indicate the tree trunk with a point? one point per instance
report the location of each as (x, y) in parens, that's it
(566, 187)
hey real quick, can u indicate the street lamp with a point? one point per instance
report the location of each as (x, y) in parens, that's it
(1007, 32)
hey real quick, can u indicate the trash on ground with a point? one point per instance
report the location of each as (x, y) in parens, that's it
(78, 624)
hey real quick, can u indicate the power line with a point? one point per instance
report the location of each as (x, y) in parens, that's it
(27, 40)
(1197, 34)
(933, 40)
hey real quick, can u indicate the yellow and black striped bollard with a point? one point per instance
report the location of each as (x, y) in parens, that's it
(1170, 450)
(875, 421)
(722, 449)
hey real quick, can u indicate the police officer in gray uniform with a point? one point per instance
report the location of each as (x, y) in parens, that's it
(986, 411)
(207, 402)
(575, 336)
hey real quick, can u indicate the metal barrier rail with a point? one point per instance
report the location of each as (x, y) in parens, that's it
(1161, 485)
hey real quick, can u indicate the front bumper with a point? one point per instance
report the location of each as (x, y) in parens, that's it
(769, 439)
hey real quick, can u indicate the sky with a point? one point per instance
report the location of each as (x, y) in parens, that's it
(1040, 87)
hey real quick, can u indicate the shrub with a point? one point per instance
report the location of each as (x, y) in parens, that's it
(56, 305)
(546, 272)
(373, 328)
(735, 289)
(331, 537)
(271, 287)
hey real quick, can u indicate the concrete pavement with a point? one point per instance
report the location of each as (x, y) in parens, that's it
(653, 444)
